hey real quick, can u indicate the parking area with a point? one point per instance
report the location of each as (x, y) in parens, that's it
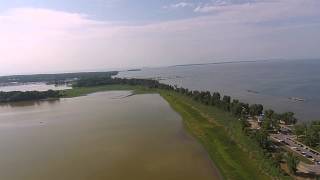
(300, 149)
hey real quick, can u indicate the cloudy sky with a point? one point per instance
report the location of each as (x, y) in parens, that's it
(39, 36)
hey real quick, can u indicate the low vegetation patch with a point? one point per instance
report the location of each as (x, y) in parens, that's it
(236, 156)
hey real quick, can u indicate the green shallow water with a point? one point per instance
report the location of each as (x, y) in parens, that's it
(100, 136)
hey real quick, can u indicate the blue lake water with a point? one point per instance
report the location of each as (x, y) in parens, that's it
(272, 83)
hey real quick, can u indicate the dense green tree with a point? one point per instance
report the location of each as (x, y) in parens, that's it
(262, 138)
(292, 162)
(255, 109)
(226, 100)
(205, 97)
(196, 95)
(278, 158)
(288, 118)
(300, 129)
(244, 123)
(54, 78)
(215, 100)
(236, 108)
(14, 96)
(267, 125)
(308, 133)
(269, 113)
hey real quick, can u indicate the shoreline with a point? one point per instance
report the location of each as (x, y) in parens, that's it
(226, 152)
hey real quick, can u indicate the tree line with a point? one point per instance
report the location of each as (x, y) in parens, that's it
(309, 133)
(15, 96)
(224, 102)
(53, 78)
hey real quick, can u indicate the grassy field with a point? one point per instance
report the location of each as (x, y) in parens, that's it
(232, 161)
(235, 155)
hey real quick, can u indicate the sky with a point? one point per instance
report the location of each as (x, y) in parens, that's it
(39, 36)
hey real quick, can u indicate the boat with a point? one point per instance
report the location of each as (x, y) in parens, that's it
(297, 99)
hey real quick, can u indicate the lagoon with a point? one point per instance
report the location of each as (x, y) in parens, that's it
(104, 135)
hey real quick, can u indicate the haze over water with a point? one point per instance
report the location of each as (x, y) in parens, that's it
(101, 136)
(271, 83)
(32, 87)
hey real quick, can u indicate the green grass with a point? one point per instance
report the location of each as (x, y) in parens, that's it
(234, 153)
(232, 161)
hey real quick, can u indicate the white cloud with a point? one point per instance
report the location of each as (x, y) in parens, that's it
(179, 5)
(41, 40)
(263, 9)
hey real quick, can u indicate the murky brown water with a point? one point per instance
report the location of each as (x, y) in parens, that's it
(100, 136)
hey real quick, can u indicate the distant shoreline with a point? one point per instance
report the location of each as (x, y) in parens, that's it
(235, 62)
(217, 63)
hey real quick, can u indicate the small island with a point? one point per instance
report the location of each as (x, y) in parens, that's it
(297, 99)
(134, 70)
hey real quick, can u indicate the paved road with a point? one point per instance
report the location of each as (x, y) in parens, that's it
(300, 149)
